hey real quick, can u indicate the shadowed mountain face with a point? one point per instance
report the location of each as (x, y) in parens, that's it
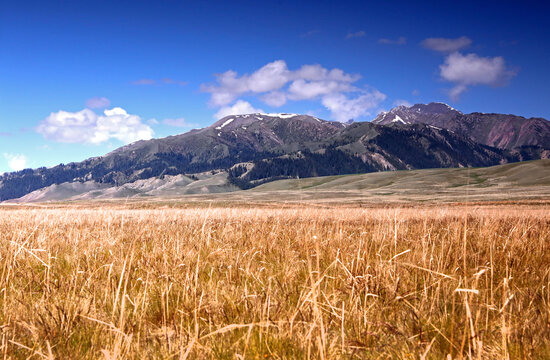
(498, 130)
(247, 150)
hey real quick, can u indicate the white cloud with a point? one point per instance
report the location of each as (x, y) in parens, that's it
(401, 102)
(456, 91)
(399, 41)
(152, 121)
(471, 69)
(317, 73)
(178, 122)
(357, 34)
(302, 90)
(344, 108)
(446, 45)
(275, 84)
(16, 161)
(275, 98)
(270, 78)
(240, 107)
(98, 103)
(230, 86)
(86, 126)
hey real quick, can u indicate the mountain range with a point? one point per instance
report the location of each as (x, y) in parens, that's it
(243, 151)
(498, 130)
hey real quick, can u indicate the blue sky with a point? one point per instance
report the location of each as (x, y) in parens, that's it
(80, 78)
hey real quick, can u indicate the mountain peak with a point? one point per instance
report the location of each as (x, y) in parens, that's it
(498, 130)
(410, 114)
(236, 121)
(438, 107)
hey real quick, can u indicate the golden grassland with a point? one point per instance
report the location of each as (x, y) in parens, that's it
(275, 282)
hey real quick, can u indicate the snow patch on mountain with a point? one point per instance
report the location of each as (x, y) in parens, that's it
(448, 107)
(397, 118)
(279, 115)
(227, 122)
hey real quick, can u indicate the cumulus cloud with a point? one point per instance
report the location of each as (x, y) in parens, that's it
(305, 90)
(271, 78)
(240, 107)
(316, 72)
(98, 103)
(446, 45)
(16, 161)
(472, 69)
(344, 108)
(275, 98)
(275, 84)
(268, 78)
(357, 34)
(399, 41)
(86, 126)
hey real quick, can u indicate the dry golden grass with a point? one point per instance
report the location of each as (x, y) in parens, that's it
(303, 282)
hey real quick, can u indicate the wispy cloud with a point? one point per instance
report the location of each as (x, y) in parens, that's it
(446, 45)
(6, 134)
(163, 81)
(144, 82)
(508, 43)
(357, 34)
(402, 102)
(310, 33)
(172, 81)
(178, 122)
(399, 41)
(98, 102)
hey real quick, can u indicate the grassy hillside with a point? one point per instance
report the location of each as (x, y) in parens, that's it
(529, 173)
(525, 180)
(518, 181)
